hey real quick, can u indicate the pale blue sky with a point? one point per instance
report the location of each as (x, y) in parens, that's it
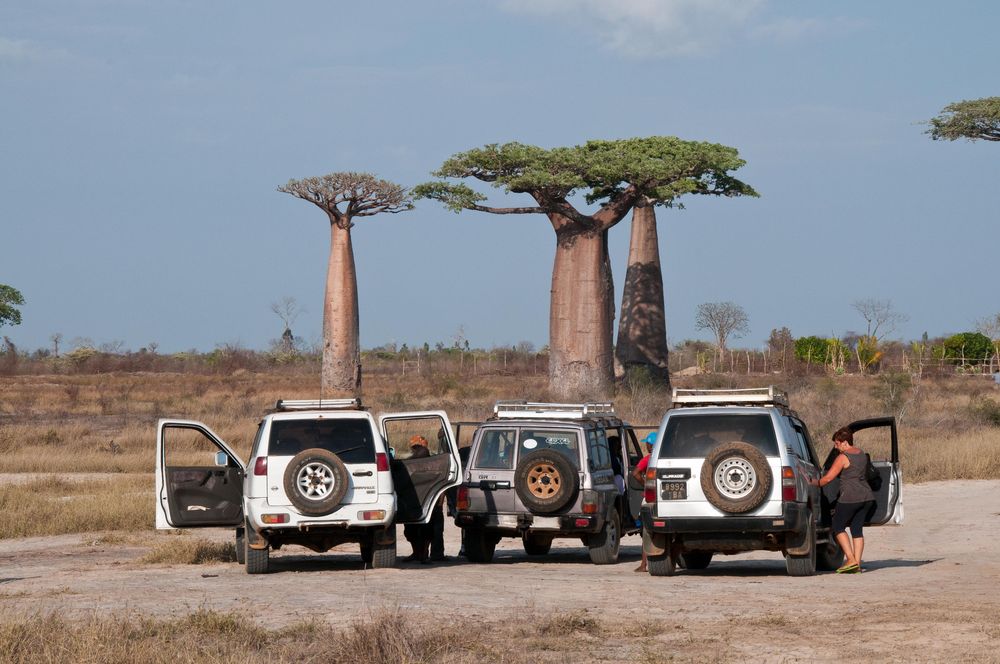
(142, 143)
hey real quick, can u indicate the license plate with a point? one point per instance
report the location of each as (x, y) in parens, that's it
(673, 490)
(546, 522)
(507, 520)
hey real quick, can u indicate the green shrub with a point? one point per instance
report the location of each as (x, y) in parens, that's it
(973, 347)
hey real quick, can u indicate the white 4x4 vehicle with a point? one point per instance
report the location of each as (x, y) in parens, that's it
(732, 471)
(321, 473)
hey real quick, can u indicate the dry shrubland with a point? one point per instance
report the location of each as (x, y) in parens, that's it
(105, 423)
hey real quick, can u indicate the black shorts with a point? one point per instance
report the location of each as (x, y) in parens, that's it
(853, 515)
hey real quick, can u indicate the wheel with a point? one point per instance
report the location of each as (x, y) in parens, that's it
(665, 565)
(604, 546)
(545, 481)
(696, 559)
(241, 554)
(479, 545)
(735, 477)
(804, 565)
(536, 545)
(258, 560)
(316, 481)
(383, 555)
(829, 555)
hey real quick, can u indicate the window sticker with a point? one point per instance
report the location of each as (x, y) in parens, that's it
(530, 444)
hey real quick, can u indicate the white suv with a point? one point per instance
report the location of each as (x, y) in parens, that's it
(731, 471)
(321, 473)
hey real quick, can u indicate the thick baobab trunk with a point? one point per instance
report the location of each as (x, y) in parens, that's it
(341, 373)
(581, 317)
(642, 329)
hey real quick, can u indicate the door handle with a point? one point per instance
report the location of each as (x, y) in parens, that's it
(362, 473)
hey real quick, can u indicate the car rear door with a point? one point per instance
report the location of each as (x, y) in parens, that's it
(199, 479)
(889, 497)
(419, 480)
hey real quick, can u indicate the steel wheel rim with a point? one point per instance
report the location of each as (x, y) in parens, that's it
(544, 480)
(735, 477)
(315, 481)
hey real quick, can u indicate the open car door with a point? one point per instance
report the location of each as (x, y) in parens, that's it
(420, 478)
(889, 496)
(199, 480)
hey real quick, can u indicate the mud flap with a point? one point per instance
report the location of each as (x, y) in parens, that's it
(654, 544)
(385, 535)
(254, 540)
(799, 544)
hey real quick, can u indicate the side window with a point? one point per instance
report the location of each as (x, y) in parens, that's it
(189, 447)
(597, 447)
(496, 449)
(257, 438)
(635, 454)
(798, 443)
(808, 443)
(409, 437)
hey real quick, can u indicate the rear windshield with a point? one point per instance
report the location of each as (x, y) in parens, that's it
(350, 439)
(697, 435)
(564, 441)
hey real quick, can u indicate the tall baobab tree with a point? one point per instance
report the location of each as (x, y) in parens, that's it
(975, 119)
(345, 197)
(612, 174)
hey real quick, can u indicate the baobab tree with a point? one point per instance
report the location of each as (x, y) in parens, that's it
(345, 197)
(975, 119)
(613, 175)
(642, 328)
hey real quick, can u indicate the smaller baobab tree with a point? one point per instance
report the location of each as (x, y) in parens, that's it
(724, 320)
(345, 197)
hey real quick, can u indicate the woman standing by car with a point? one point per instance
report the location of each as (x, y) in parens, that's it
(854, 501)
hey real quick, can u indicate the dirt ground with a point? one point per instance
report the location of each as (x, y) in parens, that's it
(930, 591)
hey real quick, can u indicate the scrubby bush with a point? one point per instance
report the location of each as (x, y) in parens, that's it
(967, 348)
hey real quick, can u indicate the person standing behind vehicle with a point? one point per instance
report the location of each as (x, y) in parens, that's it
(854, 501)
(419, 534)
(639, 475)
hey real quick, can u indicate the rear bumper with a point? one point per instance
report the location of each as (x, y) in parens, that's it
(794, 518)
(514, 524)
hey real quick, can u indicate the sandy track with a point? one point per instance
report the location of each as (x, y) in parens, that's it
(930, 592)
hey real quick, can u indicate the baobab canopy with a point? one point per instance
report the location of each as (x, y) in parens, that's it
(616, 175)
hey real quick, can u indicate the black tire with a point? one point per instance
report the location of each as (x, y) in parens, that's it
(479, 545)
(736, 478)
(258, 560)
(804, 565)
(535, 544)
(545, 481)
(696, 559)
(241, 553)
(383, 555)
(665, 565)
(316, 481)
(605, 545)
(829, 555)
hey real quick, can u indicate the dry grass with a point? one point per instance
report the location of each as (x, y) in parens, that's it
(106, 422)
(55, 507)
(190, 551)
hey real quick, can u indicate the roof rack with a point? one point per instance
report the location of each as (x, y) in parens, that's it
(757, 396)
(318, 404)
(561, 411)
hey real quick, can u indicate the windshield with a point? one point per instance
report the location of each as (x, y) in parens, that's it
(563, 441)
(350, 439)
(696, 435)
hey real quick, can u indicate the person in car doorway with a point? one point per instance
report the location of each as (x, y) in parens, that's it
(639, 474)
(419, 534)
(855, 499)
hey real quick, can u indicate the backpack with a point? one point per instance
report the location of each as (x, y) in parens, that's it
(871, 475)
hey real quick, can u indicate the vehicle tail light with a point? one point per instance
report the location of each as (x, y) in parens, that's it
(274, 518)
(590, 500)
(260, 466)
(382, 462)
(789, 490)
(372, 515)
(649, 489)
(582, 523)
(462, 499)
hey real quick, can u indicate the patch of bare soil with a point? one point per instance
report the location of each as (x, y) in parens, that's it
(929, 592)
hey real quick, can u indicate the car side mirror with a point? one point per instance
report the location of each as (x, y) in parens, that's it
(221, 459)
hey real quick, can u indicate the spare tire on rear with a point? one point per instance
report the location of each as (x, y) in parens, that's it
(545, 481)
(316, 481)
(736, 478)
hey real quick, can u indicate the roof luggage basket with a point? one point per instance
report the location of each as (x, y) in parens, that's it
(561, 411)
(318, 404)
(754, 396)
